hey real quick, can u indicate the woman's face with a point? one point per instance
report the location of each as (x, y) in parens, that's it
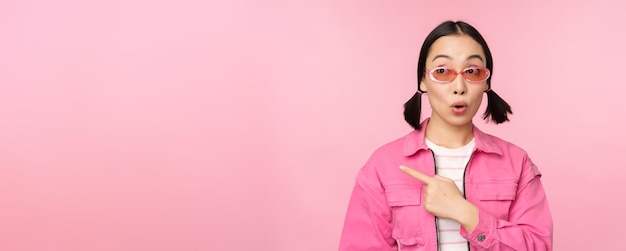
(456, 102)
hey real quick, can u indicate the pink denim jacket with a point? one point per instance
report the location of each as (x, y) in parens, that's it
(385, 211)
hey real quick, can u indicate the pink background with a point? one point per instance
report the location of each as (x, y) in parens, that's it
(240, 125)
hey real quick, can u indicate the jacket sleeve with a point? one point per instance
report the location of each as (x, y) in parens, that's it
(367, 224)
(529, 226)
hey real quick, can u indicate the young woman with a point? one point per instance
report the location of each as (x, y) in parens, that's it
(447, 185)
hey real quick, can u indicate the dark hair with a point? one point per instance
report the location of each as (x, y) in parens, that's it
(497, 108)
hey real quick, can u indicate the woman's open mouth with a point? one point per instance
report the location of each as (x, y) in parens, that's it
(459, 108)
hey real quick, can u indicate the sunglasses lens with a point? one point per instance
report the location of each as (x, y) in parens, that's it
(443, 74)
(476, 74)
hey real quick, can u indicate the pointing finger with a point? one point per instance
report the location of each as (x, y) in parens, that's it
(417, 174)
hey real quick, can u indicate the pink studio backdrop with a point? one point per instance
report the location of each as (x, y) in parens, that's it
(240, 125)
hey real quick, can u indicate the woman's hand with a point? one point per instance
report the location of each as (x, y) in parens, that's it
(443, 199)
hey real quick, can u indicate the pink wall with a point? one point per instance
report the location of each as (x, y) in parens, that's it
(240, 125)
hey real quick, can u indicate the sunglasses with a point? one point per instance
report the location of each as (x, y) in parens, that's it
(444, 74)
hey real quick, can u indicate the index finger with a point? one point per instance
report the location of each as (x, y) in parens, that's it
(417, 174)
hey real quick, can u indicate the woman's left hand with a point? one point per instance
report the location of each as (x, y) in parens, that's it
(443, 199)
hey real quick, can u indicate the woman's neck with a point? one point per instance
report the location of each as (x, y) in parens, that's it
(450, 136)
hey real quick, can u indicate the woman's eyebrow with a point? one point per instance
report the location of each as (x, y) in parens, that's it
(441, 56)
(468, 58)
(476, 56)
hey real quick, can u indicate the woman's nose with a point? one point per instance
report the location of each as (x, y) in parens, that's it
(459, 85)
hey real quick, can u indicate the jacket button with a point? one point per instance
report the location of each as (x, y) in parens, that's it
(481, 237)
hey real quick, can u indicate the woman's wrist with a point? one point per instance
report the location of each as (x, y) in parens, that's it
(468, 216)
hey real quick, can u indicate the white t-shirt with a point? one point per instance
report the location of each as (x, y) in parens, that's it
(451, 163)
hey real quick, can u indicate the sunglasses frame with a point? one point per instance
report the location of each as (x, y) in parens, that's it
(456, 74)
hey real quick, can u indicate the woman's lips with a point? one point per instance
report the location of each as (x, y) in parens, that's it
(459, 108)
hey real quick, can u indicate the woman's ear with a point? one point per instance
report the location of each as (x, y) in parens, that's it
(422, 86)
